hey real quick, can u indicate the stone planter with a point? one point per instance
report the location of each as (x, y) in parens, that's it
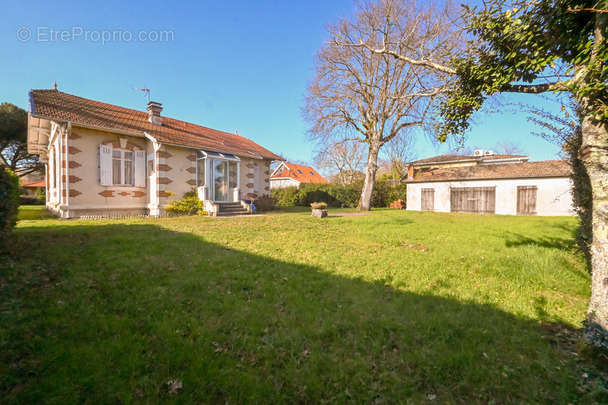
(319, 213)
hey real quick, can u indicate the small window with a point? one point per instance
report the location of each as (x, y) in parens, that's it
(311, 173)
(256, 178)
(300, 171)
(200, 172)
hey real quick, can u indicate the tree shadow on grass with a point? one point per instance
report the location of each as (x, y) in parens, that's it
(515, 240)
(111, 313)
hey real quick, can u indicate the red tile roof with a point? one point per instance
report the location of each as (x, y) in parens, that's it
(55, 104)
(303, 174)
(546, 168)
(41, 183)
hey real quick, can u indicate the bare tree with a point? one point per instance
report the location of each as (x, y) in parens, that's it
(508, 148)
(343, 161)
(361, 93)
(399, 153)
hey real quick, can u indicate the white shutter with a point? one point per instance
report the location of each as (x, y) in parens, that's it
(140, 168)
(105, 165)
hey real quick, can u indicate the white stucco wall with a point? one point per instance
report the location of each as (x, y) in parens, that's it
(553, 195)
(281, 183)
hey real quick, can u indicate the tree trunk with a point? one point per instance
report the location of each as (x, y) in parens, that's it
(370, 178)
(594, 154)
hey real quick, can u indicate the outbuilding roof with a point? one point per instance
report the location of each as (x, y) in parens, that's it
(443, 159)
(546, 168)
(54, 104)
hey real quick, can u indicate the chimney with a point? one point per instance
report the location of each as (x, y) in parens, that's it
(410, 173)
(154, 110)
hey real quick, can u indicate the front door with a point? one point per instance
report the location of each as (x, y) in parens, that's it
(220, 180)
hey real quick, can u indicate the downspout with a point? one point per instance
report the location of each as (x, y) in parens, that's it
(67, 166)
(155, 146)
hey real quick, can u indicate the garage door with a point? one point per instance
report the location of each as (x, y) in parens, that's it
(477, 200)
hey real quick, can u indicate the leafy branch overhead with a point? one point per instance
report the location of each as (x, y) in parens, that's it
(528, 47)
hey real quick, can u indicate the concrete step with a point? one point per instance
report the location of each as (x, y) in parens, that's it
(229, 209)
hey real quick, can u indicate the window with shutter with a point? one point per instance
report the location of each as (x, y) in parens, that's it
(118, 167)
(140, 168)
(105, 165)
(256, 177)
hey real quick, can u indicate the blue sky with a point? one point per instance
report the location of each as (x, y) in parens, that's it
(229, 65)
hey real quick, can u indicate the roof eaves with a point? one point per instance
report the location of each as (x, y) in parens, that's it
(89, 126)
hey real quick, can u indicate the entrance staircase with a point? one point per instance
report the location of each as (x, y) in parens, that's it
(231, 209)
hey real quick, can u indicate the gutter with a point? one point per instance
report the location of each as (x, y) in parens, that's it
(156, 146)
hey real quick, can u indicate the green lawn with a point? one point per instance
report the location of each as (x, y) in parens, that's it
(388, 307)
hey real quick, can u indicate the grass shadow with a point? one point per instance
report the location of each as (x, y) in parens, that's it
(111, 313)
(515, 240)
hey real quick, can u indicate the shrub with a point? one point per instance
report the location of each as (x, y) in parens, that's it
(9, 202)
(265, 203)
(41, 194)
(286, 196)
(189, 205)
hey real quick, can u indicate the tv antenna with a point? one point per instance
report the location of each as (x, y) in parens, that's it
(144, 89)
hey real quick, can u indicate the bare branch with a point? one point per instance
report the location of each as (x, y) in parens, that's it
(411, 61)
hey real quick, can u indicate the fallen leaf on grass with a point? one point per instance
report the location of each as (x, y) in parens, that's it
(174, 386)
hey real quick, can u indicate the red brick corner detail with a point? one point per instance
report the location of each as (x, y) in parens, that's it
(73, 193)
(107, 193)
(191, 182)
(73, 164)
(138, 194)
(73, 179)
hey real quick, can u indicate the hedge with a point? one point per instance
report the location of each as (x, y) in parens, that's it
(9, 202)
(337, 195)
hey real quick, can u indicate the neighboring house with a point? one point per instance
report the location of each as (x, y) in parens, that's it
(289, 174)
(102, 159)
(489, 184)
(30, 189)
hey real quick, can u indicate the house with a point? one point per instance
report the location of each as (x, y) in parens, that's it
(30, 189)
(102, 159)
(489, 184)
(288, 174)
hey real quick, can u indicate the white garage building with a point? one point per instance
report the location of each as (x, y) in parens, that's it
(489, 184)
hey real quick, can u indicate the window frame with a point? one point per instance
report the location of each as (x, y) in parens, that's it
(122, 169)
